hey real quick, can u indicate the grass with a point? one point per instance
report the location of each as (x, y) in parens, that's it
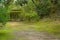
(4, 34)
(48, 25)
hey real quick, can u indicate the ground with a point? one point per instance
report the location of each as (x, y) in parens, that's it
(31, 31)
(23, 31)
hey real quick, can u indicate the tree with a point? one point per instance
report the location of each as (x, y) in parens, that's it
(4, 11)
(21, 2)
(45, 7)
(42, 7)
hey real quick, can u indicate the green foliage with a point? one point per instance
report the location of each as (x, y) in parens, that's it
(33, 9)
(46, 7)
(3, 15)
(58, 5)
(42, 7)
(4, 11)
(28, 12)
(21, 2)
(29, 16)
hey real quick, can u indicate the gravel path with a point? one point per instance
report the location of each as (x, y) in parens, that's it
(33, 35)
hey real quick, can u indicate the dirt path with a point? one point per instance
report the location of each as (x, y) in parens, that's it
(31, 34)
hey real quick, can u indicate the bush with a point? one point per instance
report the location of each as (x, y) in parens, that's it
(4, 11)
(29, 16)
(3, 15)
